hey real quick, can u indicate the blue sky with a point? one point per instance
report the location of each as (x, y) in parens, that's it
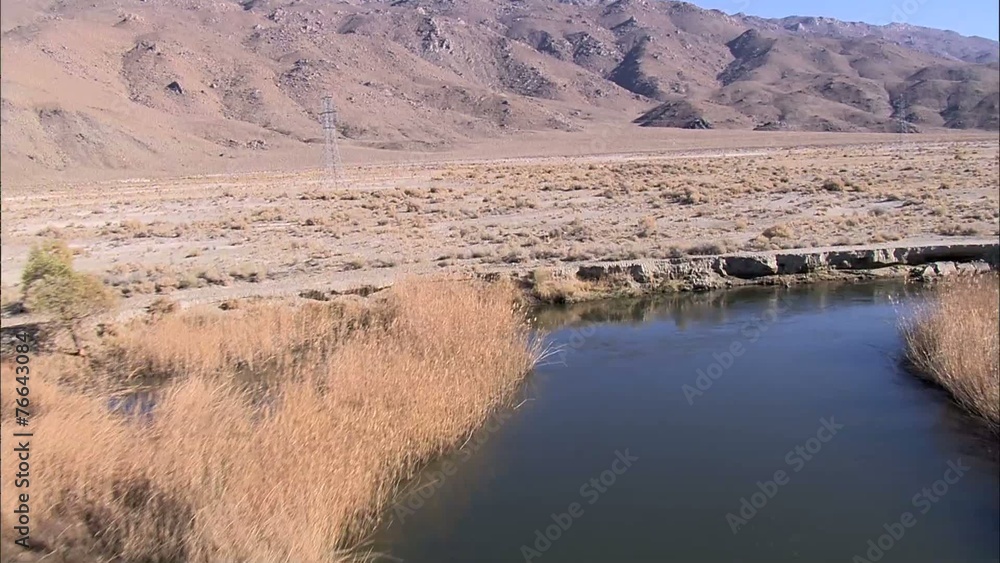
(968, 17)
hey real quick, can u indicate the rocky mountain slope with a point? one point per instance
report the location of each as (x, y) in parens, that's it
(133, 84)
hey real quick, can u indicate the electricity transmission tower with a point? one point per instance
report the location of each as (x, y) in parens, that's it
(902, 107)
(331, 152)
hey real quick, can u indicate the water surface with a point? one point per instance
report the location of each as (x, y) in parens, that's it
(817, 369)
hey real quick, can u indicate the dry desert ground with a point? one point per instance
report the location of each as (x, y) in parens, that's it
(507, 206)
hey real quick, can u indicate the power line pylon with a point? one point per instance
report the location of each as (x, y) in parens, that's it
(331, 152)
(903, 126)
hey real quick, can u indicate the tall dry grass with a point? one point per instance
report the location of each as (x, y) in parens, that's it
(954, 341)
(281, 432)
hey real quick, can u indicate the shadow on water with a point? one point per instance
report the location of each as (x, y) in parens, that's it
(806, 354)
(971, 436)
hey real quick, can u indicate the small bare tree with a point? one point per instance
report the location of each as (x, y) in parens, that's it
(51, 285)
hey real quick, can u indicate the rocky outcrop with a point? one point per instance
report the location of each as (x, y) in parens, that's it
(748, 267)
(918, 262)
(750, 51)
(674, 113)
(630, 75)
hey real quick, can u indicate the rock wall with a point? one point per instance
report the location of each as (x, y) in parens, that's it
(922, 262)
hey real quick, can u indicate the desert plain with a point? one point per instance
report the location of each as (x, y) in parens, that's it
(506, 206)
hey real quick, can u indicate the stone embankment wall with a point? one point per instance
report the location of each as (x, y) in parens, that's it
(712, 272)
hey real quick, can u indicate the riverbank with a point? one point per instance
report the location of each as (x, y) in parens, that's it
(923, 263)
(589, 281)
(280, 430)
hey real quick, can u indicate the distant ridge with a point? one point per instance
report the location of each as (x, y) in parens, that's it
(127, 84)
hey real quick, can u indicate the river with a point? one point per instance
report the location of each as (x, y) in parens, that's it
(760, 425)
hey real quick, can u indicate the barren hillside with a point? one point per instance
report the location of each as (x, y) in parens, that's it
(187, 85)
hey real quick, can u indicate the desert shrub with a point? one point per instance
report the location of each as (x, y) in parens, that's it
(692, 196)
(50, 259)
(832, 185)
(957, 231)
(710, 248)
(53, 287)
(69, 298)
(161, 306)
(647, 227)
(777, 231)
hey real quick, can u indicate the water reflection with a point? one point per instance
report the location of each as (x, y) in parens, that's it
(693, 309)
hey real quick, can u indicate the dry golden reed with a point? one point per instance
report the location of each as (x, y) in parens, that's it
(954, 341)
(280, 431)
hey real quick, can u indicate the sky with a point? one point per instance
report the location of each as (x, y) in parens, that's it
(968, 17)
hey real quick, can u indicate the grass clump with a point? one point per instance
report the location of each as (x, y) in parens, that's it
(647, 227)
(711, 248)
(957, 231)
(777, 231)
(280, 432)
(549, 287)
(953, 341)
(833, 185)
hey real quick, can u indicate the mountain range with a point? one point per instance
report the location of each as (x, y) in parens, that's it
(134, 84)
